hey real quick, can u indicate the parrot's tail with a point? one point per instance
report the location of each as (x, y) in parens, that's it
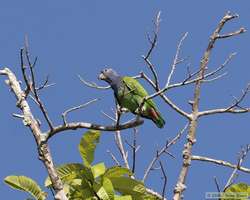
(157, 118)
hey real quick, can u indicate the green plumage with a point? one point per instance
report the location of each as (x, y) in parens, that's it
(130, 95)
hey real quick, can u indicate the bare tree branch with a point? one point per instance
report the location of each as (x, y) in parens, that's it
(134, 148)
(64, 114)
(31, 86)
(113, 158)
(191, 139)
(165, 179)
(235, 108)
(241, 158)
(92, 84)
(119, 142)
(86, 125)
(157, 195)
(241, 30)
(217, 184)
(153, 43)
(161, 151)
(31, 122)
(220, 162)
(176, 59)
(120, 146)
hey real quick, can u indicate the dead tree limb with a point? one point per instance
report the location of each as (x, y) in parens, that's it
(31, 122)
(191, 138)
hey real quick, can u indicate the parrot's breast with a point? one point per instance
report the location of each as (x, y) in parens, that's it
(127, 99)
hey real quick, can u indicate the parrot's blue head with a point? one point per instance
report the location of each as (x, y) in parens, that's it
(111, 77)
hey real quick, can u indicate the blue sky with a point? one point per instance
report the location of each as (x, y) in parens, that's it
(81, 37)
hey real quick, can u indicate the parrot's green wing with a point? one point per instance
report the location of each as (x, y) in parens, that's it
(138, 93)
(137, 89)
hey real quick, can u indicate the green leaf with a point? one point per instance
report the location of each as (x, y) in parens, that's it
(80, 193)
(26, 184)
(102, 194)
(98, 169)
(126, 197)
(72, 171)
(87, 146)
(108, 186)
(237, 191)
(117, 171)
(128, 186)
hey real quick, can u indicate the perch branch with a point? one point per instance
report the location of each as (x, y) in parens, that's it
(86, 125)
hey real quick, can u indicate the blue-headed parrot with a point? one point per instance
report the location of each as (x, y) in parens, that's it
(129, 94)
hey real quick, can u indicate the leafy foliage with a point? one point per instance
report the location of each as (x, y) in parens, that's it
(84, 181)
(237, 191)
(87, 146)
(87, 182)
(26, 184)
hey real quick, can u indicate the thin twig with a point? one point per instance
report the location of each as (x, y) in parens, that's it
(220, 162)
(153, 44)
(241, 158)
(113, 158)
(45, 84)
(234, 108)
(217, 184)
(161, 151)
(165, 180)
(33, 83)
(176, 59)
(92, 84)
(241, 30)
(121, 149)
(64, 114)
(119, 142)
(134, 148)
(107, 115)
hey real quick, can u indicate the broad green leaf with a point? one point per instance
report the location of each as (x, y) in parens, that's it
(72, 171)
(107, 185)
(102, 194)
(128, 186)
(80, 193)
(126, 197)
(26, 184)
(117, 171)
(87, 146)
(98, 169)
(237, 191)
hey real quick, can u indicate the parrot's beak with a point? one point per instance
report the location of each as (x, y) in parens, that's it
(102, 76)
